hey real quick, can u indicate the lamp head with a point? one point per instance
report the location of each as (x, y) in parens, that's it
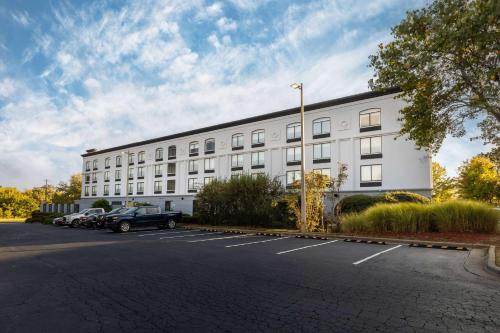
(296, 85)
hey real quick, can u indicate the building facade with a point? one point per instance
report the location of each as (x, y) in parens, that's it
(359, 131)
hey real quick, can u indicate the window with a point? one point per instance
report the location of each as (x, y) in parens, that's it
(157, 187)
(94, 164)
(140, 157)
(86, 193)
(369, 120)
(171, 186)
(191, 184)
(106, 162)
(140, 173)
(293, 156)
(209, 146)
(321, 153)
(237, 162)
(141, 211)
(140, 187)
(192, 167)
(118, 189)
(292, 177)
(106, 176)
(131, 173)
(168, 205)
(257, 159)
(210, 164)
(159, 154)
(87, 178)
(237, 141)
(258, 138)
(371, 147)
(130, 159)
(130, 188)
(321, 128)
(208, 180)
(106, 189)
(94, 177)
(371, 175)
(171, 169)
(193, 148)
(87, 166)
(94, 190)
(325, 172)
(118, 175)
(158, 170)
(293, 132)
(172, 151)
(118, 161)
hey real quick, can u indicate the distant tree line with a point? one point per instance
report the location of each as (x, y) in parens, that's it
(15, 203)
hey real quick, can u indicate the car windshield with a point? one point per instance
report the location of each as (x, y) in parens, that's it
(116, 210)
(83, 211)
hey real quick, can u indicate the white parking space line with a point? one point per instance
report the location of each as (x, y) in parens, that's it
(166, 232)
(305, 247)
(376, 254)
(212, 239)
(264, 241)
(193, 235)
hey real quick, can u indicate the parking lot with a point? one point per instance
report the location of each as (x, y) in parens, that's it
(57, 279)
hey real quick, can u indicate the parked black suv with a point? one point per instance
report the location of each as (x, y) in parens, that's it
(142, 217)
(100, 221)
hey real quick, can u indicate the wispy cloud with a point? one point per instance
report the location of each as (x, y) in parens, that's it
(21, 18)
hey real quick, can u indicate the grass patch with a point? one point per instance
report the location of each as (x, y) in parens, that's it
(452, 216)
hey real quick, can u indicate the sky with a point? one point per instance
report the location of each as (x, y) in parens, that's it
(84, 74)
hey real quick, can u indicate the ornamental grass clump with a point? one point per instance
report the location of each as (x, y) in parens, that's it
(465, 216)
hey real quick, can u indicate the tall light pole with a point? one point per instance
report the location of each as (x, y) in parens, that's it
(303, 217)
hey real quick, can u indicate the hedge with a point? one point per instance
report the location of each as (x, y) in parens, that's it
(44, 218)
(452, 216)
(360, 202)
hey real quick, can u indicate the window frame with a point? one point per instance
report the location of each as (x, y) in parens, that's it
(192, 189)
(159, 154)
(322, 158)
(238, 165)
(119, 173)
(158, 170)
(294, 172)
(207, 142)
(141, 157)
(260, 165)
(295, 161)
(170, 181)
(258, 142)
(140, 188)
(211, 164)
(86, 192)
(130, 158)
(238, 146)
(169, 174)
(372, 181)
(87, 165)
(194, 148)
(194, 170)
(157, 189)
(322, 133)
(140, 172)
(105, 190)
(370, 126)
(371, 154)
(107, 161)
(294, 138)
(119, 187)
(118, 161)
(170, 149)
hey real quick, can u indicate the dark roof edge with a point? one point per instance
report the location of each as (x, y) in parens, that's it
(276, 114)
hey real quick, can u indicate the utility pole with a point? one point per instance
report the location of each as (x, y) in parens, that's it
(46, 188)
(303, 212)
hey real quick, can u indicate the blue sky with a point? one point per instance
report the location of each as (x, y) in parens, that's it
(82, 74)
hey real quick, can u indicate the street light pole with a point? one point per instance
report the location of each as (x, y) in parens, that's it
(303, 211)
(126, 177)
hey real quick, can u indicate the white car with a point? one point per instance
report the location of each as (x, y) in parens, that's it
(73, 220)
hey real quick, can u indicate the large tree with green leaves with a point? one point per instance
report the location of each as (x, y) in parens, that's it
(479, 180)
(445, 58)
(443, 187)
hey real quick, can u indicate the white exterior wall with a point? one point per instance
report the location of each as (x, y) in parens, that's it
(403, 166)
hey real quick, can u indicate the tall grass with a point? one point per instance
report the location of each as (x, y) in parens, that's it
(452, 216)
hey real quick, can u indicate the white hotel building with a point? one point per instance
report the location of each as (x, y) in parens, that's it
(359, 131)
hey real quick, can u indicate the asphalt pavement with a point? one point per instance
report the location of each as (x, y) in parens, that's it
(57, 279)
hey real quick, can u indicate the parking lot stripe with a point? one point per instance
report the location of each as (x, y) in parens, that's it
(183, 236)
(305, 247)
(166, 232)
(376, 254)
(264, 241)
(211, 239)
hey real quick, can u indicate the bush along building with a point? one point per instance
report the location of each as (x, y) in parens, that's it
(359, 131)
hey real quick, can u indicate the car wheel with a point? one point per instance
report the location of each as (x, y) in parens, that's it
(171, 224)
(75, 223)
(124, 227)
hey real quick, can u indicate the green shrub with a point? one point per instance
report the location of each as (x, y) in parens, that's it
(465, 216)
(44, 218)
(452, 216)
(190, 219)
(355, 203)
(401, 196)
(102, 203)
(243, 200)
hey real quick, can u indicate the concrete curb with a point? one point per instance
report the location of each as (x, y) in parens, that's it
(490, 263)
(356, 239)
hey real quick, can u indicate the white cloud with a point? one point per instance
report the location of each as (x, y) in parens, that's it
(215, 9)
(7, 87)
(21, 18)
(226, 24)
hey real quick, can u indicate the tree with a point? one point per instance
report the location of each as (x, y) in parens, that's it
(14, 203)
(442, 186)
(479, 180)
(445, 60)
(69, 193)
(102, 203)
(41, 194)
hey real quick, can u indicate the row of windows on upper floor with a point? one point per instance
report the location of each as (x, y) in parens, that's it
(370, 147)
(370, 175)
(368, 120)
